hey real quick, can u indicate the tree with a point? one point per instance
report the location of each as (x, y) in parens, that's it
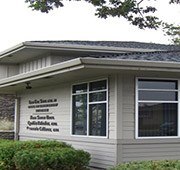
(173, 31)
(134, 11)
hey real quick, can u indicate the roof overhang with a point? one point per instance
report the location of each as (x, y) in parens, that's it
(81, 68)
(28, 50)
(131, 64)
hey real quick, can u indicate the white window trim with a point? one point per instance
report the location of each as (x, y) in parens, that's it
(88, 103)
(137, 114)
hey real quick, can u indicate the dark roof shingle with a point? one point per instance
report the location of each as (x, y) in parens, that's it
(161, 52)
(165, 56)
(126, 44)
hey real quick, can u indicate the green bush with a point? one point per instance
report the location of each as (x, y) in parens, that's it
(51, 159)
(9, 148)
(2, 166)
(150, 165)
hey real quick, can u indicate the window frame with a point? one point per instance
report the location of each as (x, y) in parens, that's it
(88, 104)
(137, 113)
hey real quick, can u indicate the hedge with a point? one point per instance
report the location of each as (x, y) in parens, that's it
(19, 154)
(52, 159)
(150, 165)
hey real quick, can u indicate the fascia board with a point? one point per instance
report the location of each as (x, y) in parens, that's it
(12, 50)
(80, 63)
(88, 48)
(92, 63)
(129, 63)
(41, 73)
(70, 47)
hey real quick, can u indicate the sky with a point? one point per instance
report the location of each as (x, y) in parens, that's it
(75, 21)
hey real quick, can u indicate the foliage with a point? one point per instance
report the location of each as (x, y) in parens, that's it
(9, 148)
(134, 11)
(150, 165)
(173, 31)
(51, 158)
(44, 5)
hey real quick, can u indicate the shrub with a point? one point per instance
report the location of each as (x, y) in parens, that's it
(150, 165)
(51, 159)
(2, 166)
(9, 148)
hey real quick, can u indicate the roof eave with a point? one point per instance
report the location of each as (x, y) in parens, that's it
(92, 63)
(131, 64)
(69, 47)
(12, 50)
(90, 48)
(42, 73)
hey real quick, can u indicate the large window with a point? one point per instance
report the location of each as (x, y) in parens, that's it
(89, 108)
(157, 108)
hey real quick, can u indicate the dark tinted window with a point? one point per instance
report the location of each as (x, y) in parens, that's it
(80, 88)
(98, 85)
(157, 119)
(158, 95)
(97, 119)
(92, 97)
(98, 96)
(80, 114)
(157, 84)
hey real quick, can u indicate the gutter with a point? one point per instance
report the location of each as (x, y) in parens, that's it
(12, 50)
(92, 63)
(85, 48)
(128, 64)
(70, 47)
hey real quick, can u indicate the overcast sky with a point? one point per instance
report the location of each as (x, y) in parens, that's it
(75, 21)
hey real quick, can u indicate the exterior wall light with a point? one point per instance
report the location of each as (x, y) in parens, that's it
(28, 85)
